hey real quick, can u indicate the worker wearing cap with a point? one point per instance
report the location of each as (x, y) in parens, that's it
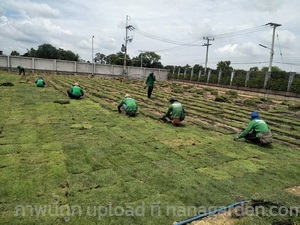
(175, 113)
(257, 130)
(128, 105)
(40, 82)
(75, 91)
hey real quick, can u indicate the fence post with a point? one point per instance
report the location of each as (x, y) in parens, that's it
(208, 75)
(219, 76)
(192, 73)
(247, 78)
(291, 78)
(8, 63)
(55, 66)
(199, 75)
(231, 77)
(32, 65)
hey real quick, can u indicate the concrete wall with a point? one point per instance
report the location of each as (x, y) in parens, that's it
(54, 65)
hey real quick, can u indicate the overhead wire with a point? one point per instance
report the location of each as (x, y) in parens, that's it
(181, 45)
(280, 51)
(240, 32)
(192, 43)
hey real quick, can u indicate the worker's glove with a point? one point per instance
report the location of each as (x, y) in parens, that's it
(145, 86)
(119, 110)
(235, 138)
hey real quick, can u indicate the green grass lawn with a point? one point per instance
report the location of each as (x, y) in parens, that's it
(83, 163)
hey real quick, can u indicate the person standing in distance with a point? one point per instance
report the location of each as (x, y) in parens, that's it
(150, 83)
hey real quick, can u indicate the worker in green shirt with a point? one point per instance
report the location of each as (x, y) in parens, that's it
(175, 113)
(257, 130)
(21, 70)
(128, 105)
(150, 83)
(75, 92)
(40, 82)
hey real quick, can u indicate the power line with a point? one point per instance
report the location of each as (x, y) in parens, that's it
(240, 32)
(195, 42)
(280, 51)
(192, 43)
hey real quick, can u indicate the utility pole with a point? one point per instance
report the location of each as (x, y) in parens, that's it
(93, 49)
(274, 25)
(207, 45)
(268, 74)
(124, 47)
(93, 54)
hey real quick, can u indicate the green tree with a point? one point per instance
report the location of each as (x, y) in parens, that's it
(100, 58)
(239, 78)
(15, 53)
(224, 66)
(67, 55)
(274, 69)
(47, 51)
(255, 68)
(118, 59)
(148, 59)
(197, 68)
(278, 81)
(30, 53)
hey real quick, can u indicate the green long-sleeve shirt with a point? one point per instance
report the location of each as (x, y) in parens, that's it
(176, 110)
(77, 91)
(150, 80)
(40, 83)
(130, 103)
(256, 125)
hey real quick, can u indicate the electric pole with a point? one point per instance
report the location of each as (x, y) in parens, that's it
(93, 54)
(207, 45)
(124, 47)
(274, 25)
(268, 75)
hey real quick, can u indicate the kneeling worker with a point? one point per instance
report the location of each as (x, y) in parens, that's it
(128, 105)
(40, 82)
(257, 131)
(75, 91)
(175, 113)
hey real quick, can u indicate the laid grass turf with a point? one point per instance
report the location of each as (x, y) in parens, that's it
(107, 168)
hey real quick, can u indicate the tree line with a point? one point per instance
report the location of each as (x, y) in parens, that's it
(48, 51)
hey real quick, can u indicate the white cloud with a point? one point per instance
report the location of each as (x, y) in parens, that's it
(25, 24)
(33, 9)
(227, 49)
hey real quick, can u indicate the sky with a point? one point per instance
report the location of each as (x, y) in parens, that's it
(173, 29)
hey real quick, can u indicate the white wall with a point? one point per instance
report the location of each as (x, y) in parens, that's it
(54, 65)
